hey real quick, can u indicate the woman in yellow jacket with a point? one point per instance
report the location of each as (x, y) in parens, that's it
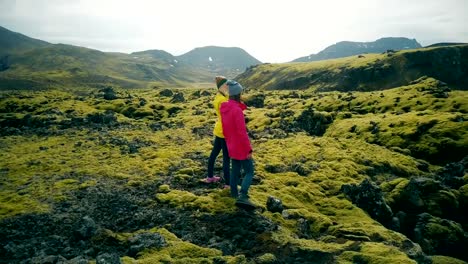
(219, 142)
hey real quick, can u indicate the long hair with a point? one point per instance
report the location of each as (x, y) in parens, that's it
(236, 97)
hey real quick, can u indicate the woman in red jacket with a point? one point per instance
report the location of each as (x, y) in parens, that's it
(238, 143)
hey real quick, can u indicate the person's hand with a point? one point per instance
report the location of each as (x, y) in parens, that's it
(249, 156)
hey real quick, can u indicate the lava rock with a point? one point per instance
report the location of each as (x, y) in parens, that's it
(143, 241)
(274, 205)
(108, 258)
(166, 93)
(439, 236)
(257, 100)
(178, 98)
(452, 174)
(87, 228)
(314, 123)
(369, 197)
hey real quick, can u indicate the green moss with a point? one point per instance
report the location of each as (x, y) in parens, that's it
(371, 252)
(12, 203)
(446, 260)
(392, 189)
(305, 172)
(266, 258)
(164, 188)
(178, 251)
(215, 202)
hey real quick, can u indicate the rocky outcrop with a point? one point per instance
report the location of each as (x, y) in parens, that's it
(274, 205)
(369, 197)
(439, 236)
(166, 93)
(313, 122)
(108, 93)
(144, 241)
(178, 98)
(451, 175)
(256, 100)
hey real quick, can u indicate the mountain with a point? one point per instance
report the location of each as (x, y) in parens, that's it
(155, 54)
(228, 61)
(219, 60)
(12, 42)
(28, 63)
(349, 48)
(448, 64)
(59, 65)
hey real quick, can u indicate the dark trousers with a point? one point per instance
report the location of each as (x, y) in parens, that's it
(218, 145)
(248, 167)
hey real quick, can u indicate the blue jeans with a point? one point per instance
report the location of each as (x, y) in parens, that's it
(218, 144)
(248, 167)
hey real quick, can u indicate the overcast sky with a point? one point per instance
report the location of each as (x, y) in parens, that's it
(271, 31)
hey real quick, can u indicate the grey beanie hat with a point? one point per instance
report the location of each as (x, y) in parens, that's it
(234, 87)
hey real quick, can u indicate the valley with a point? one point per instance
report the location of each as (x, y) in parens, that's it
(358, 159)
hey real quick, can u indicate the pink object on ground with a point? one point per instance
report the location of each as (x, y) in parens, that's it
(211, 180)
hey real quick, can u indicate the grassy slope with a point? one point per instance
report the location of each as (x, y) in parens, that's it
(38, 171)
(59, 65)
(366, 73)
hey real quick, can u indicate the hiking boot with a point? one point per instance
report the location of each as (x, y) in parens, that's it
(244, 202)
(211, 180)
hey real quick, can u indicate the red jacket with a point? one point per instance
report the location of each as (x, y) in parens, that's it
(234, 129)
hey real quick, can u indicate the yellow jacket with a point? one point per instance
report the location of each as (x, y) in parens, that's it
(218, 100)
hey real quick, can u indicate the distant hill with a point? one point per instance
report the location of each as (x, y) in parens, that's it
(155, 54)
(219, 60)
(445, 44)
(59, 64)
(349, 48)
(226, 61)
(28, 63)
(12, 42)
(368, 72)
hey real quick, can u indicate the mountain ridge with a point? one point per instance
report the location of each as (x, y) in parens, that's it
(350, 48)
(37, 64)
(12, 42)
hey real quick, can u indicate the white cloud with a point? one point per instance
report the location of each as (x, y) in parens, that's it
(271, 31)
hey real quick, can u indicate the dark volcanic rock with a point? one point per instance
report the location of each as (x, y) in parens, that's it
(203, 131)
(369, 197)
(105, 118)
(84, 227)
(144, 241)
(414, 251)
(257, 100)
(439, 236)
(178, 98)
(205, 93)
(87, 228)
(314, 123)
(166, 93)
(452, 174)
(108, 93)
(108, 258)
(274, 205)
(426, 195)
